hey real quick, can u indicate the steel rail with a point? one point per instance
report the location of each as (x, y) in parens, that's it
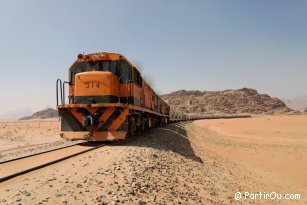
(35, 154)
(11, 176)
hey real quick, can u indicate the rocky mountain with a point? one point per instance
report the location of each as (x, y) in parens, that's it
(298, 103)
(239, 101)
(43, 114)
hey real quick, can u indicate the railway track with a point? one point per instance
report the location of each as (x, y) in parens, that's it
(15, 167)
(37, 153)
(20, 152)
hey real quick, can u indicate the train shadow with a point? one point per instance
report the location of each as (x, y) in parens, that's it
(171, 137)
(98, 143)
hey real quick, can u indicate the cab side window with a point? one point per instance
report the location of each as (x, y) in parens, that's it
(140, 80)
(137, 77)
(113, 67)
(124, 71)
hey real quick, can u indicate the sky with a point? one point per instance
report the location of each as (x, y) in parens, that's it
(191, 45)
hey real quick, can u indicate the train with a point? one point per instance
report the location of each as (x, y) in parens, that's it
(108, 99)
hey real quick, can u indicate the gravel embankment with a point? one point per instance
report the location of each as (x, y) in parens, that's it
(160, 167)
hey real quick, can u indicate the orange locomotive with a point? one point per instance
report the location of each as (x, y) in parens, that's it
(108, 99)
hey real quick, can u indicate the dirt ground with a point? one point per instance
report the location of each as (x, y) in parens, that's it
(14, 134)
(270, 148)
(203, 162)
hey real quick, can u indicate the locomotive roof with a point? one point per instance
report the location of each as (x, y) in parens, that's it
(100, 56)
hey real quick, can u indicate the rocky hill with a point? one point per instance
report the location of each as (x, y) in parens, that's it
(43, 114)
(239, 101)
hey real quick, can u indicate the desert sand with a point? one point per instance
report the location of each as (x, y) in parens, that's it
(203, 162)
(14, 134)
(272, 149)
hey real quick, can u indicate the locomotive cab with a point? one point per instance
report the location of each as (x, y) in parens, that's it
(99, 81)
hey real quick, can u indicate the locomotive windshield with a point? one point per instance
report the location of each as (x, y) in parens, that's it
(119, 68)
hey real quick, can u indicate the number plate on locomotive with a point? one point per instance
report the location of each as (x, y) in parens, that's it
(92, 85)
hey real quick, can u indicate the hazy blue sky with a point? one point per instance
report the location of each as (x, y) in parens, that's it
(203, 45)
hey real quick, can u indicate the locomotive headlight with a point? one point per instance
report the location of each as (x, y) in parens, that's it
(101, 55)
